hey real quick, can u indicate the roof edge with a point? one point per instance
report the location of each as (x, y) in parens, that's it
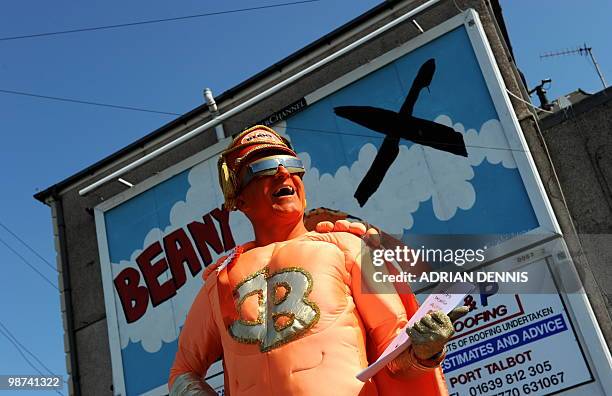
(584, 105)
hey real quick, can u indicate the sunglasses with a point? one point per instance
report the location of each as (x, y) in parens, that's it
(268, 166)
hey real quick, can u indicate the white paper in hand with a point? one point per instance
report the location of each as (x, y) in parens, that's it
(445, 299)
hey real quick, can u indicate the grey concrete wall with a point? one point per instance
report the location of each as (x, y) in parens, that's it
(82, 259)
(555, 191)
(580, 144)
(95, 374)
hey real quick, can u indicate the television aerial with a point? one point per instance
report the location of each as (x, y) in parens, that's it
(584, 51)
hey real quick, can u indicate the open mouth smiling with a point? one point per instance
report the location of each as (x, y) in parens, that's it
(284, 191)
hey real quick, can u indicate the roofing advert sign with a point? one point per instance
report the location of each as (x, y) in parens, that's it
(515, 344)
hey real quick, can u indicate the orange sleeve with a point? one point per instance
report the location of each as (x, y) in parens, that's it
(199, 343)
(378, 304)
(384, 315)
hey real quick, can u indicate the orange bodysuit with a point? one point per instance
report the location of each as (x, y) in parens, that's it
(294, 318)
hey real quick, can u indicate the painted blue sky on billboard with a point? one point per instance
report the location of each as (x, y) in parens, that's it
(128, 224)
(425, 190)
(457, 91)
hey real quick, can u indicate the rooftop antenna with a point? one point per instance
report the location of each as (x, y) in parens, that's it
(584, 50)
(541, 90)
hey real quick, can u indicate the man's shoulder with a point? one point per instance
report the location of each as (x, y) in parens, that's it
(210, 272)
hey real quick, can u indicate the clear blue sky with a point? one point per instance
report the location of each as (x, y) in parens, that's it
(165, 67)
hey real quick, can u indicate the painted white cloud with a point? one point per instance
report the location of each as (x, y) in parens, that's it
(418, 174)
(490, 142)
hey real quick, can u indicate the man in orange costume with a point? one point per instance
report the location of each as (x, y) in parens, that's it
(291, 313)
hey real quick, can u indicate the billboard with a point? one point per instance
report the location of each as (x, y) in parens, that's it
(422, 140)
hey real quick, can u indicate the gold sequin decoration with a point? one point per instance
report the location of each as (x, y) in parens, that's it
(303, 313)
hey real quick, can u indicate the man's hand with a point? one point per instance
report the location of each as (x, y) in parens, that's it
(369, 235)
(430, 334)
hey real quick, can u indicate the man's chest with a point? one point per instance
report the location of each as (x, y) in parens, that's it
(310, 256)
(280, 292)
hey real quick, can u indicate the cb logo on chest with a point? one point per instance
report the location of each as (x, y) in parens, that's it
(283, 309)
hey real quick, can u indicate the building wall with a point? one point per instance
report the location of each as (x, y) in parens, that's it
(86, 323)
(579, 140)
